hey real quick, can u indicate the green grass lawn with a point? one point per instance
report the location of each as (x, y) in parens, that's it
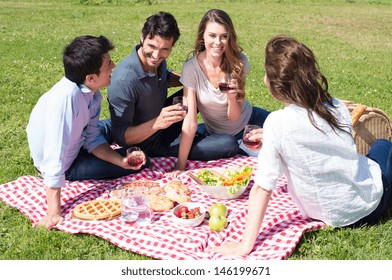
(351, 39)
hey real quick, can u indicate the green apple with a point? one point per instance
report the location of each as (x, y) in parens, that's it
(217, 223)
(218, 209)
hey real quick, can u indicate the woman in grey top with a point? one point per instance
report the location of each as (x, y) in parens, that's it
(216, 54)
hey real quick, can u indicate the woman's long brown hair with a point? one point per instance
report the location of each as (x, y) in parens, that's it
(231, 59)
(294, 77)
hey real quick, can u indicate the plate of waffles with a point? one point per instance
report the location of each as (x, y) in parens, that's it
(99, 209)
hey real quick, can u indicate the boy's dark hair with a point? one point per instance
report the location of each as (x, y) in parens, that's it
(84, 56)
(163, 25)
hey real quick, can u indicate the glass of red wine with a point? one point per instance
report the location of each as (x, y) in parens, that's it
(182, 102)
(135, 157)
(250, 130)
(224, 83)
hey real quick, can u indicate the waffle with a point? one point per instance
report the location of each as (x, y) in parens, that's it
(98, 209)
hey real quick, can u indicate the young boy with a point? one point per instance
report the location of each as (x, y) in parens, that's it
(64, 135)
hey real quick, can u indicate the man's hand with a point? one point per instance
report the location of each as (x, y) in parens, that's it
(168, 116)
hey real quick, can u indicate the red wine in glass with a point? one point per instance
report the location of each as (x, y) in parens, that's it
(135, 161)
(253, 145)
(224, 87)
(180, 100)
(135, 157)
(185, 108)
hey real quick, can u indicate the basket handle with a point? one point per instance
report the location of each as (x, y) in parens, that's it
(357, 112)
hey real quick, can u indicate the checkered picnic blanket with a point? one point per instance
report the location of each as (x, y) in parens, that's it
(281, 230)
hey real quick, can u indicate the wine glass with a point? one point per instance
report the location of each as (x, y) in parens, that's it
(250, 130)
(224, 83)
(135, 157)
(181, 100)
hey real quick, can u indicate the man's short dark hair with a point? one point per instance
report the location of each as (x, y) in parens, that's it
(84, 56)
(163, 25)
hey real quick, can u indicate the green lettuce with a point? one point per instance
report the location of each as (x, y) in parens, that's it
(232, 179)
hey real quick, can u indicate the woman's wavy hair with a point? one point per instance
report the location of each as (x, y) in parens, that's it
(231, 59)
(294, 77)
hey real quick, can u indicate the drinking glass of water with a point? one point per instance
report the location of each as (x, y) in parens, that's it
(135, 207)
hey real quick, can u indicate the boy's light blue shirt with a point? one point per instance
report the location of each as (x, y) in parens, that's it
(63, 120)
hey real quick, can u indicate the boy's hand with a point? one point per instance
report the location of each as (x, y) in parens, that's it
(49, 221)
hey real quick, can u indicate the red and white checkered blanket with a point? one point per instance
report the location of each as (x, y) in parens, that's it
(163, 239)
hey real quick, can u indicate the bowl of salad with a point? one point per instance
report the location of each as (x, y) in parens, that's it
(220, 183)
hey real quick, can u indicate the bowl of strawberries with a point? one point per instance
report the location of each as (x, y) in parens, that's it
(189, 214)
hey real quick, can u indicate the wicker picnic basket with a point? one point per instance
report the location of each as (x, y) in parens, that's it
(369, 124)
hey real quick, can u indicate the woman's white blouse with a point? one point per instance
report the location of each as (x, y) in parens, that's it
(326, 176)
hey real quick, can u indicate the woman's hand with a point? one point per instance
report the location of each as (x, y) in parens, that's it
(174, 173)
(234, 90)
(231, 249)
(256, 135)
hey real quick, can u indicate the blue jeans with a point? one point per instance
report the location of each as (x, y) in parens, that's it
(207, 147)
(381, 152)
(87, 166)
(166, 142)
(258, 117)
